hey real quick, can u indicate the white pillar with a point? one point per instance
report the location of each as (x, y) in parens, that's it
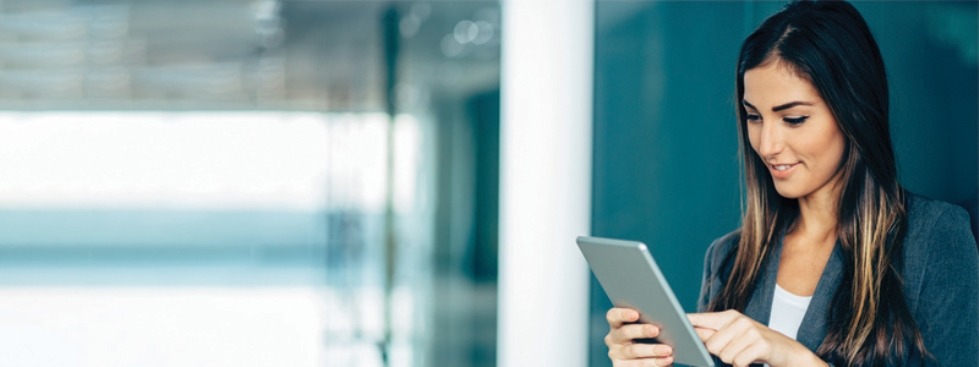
(545, 181)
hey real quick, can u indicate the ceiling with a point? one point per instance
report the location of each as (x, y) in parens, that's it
(237, 54)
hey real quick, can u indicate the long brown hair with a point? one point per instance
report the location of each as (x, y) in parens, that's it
(829, 44)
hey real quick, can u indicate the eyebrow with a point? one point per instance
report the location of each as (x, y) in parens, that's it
(780, 107)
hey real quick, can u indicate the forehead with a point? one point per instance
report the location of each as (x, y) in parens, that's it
(775, 83)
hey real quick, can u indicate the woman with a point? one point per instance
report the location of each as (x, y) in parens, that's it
(835, 264)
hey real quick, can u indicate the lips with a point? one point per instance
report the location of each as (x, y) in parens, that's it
(781, 170)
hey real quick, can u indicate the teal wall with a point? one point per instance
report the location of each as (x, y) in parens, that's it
(665, 163)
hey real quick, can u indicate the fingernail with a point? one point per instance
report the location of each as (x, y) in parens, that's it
(665, 350)
(651, 330)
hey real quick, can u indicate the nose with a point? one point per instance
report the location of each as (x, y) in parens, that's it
(770, 142)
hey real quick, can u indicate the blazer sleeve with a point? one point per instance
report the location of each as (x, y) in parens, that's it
(714, 277)
(704, 282)
(948, 312)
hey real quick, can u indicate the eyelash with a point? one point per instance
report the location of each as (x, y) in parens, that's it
(791, 121)
(795, 121)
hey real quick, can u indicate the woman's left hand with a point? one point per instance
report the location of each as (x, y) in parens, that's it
(738, 340)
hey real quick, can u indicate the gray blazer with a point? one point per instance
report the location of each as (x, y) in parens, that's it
(941, 284)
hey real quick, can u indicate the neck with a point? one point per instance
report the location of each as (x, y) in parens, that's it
(817, 216)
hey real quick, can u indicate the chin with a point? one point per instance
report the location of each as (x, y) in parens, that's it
(788, 192)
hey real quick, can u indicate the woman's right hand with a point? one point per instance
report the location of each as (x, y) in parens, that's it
(622, 348)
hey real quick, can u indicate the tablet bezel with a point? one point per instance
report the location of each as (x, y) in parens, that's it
(631, 278)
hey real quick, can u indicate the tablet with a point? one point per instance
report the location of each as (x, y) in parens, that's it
(631, 279)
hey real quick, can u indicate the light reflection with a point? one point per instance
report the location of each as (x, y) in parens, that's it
(161, 159)
(466, 31)
(116, 327)
(199, 159)
(484, 32)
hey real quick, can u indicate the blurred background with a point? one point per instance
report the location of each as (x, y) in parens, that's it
(248, 183)
(317, 183)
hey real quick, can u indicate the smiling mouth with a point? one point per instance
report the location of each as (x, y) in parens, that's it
(782, 167)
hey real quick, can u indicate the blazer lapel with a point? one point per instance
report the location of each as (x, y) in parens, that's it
(812, 331)
(759, 306)
(815, 322)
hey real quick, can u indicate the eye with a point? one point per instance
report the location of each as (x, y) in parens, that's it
(753, 118)
(795, 120)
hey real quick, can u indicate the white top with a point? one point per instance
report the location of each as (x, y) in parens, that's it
(787, 312)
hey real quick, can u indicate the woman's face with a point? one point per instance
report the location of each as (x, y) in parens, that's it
(792, 130)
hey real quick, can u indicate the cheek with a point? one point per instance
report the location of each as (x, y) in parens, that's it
(753, 136)
(830, 150)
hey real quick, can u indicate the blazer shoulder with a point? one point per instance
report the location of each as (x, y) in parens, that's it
(713, 276)
(923, 208)
(932, 220)
(937, 230)
(720, 248)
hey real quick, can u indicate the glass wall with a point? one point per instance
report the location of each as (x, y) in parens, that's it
(664, 87)
(248, 183)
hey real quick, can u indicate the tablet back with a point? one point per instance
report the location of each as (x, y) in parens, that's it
(631, 279)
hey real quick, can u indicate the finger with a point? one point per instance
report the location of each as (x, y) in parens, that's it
(627, 333)
(704, 333)
(639, 350)
(712, 320)
(645, 362)
(737, 328)
(617, 316)
(738, 345)
(658, 362)
(752, 354)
